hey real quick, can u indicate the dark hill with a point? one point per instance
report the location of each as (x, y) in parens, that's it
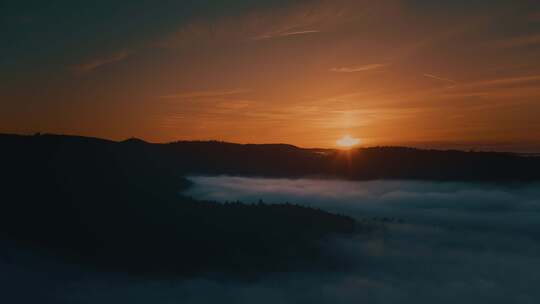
(279, 160)
(450, 165)
(117, 205)
(134, 141)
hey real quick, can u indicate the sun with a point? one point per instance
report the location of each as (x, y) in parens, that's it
(347, 141)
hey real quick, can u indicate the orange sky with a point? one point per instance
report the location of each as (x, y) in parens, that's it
(462, 74)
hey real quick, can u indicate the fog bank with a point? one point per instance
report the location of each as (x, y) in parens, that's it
(464, 205)
(458, 242)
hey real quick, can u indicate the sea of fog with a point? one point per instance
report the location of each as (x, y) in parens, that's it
(454, 242)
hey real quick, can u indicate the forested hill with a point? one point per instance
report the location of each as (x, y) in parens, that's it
(279, 160)
(118, 206)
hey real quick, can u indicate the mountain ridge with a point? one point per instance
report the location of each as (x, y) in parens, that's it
(283, 160)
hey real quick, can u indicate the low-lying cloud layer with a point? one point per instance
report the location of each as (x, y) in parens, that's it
(458, 242)
(467, 205)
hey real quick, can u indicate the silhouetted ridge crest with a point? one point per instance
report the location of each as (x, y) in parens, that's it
(281, 160)
(134, 141)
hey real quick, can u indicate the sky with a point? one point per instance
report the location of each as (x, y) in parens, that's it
(440, 74)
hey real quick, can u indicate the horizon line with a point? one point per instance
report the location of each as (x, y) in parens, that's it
(420, 145)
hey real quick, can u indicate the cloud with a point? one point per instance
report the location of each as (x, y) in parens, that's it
(294, 19)
(384, 198)
(204, 94)
(285, 34)
(496, 88)
(505, 81)
(364, 68)
(100, 62)
(440, 78)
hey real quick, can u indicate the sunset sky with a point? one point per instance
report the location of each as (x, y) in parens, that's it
(442, 74)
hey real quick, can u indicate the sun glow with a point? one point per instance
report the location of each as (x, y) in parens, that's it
(348, 141)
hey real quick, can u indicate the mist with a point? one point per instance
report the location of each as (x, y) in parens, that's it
(446, 242)
(484, 206)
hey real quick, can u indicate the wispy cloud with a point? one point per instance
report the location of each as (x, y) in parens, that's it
(294, 20)
(204, 94)
(285, 34)
(440, 78)
(369, 67)
(512, 90)
(508, 95)
(506, 81)
(100, 62)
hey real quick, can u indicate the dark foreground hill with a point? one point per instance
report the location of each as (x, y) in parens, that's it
(117, 206)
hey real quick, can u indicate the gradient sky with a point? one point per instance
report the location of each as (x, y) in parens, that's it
(459, 74)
